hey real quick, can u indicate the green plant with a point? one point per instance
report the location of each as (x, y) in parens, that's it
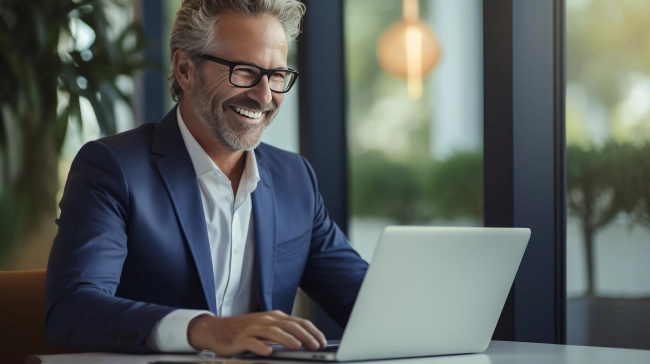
(602, 183)
(456, 186)
(642, 161)
(386, 189)
(45, 70)
(418, 192)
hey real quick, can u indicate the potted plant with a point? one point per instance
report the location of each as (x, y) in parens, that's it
(604, 183)
(49, 62)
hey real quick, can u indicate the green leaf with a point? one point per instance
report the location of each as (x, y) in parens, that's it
(3, 177)
(33, 92)
(74, 110)
(31, 68)
(77, 4)
(41, 31)
(14, 146)
(61, 128)
(136, 32)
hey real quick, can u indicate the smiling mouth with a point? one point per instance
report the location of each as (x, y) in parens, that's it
(247, 113)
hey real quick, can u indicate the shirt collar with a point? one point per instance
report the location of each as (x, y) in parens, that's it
(203, 163)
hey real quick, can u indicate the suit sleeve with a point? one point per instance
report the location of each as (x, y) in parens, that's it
(85, 264)
(334, 270)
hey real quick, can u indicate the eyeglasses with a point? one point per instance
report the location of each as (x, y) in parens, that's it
(247, 75)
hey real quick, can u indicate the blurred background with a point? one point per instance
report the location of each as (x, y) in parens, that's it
(73, 71)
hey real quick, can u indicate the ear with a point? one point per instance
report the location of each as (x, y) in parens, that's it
(184, 70)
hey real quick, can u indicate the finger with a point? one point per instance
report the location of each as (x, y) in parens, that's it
(311, 329)
(276, 334)
(309, 336)
(277, 314)
(257, 347)
(306, 324)
(299, 332)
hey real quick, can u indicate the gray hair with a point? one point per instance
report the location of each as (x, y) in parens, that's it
(194, 27)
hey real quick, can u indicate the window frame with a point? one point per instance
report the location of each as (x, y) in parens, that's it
(524, 143)
(524, 157)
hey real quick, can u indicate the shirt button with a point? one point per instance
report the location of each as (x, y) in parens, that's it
(237, 251)
(229, 198)
(228, 303)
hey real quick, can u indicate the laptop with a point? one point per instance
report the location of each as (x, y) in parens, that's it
(428, 291)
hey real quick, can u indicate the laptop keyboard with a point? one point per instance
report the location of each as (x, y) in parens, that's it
(330, 349)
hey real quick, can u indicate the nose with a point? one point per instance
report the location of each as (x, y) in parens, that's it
(261, 92)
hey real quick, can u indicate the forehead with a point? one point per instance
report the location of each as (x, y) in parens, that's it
(261, 40)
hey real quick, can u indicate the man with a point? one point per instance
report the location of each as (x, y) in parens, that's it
(185, 234)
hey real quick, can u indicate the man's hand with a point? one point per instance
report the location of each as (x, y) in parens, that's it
(228, 336)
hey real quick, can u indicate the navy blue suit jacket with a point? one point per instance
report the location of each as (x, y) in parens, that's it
(132, 244)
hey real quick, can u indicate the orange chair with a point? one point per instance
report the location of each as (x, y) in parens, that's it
(22, 329)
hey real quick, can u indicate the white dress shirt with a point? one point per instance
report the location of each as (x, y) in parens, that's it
(229, 221)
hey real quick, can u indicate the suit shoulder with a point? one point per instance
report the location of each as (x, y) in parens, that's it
(277, 156)
(285, 163)
(135, 140)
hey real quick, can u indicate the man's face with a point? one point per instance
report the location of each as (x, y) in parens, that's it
(259, 41)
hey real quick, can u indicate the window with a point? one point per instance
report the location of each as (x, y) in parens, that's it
(608, 170)
(414, 161)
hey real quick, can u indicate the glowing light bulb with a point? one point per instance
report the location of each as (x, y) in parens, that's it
(409, 49)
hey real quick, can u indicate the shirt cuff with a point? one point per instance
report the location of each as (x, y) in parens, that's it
(169, 334)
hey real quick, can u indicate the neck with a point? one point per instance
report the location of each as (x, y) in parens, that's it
(230, 163)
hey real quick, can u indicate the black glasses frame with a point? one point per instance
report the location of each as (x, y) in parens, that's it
(263, 72)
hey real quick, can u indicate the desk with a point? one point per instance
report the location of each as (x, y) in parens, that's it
(499, 352)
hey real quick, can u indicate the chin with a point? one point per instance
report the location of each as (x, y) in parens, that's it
(235, 143)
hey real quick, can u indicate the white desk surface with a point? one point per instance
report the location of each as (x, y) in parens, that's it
(499, 352)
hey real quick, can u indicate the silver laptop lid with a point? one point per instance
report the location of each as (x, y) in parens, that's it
(433, 291)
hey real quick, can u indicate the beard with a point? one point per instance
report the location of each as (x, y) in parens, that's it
(240, 136)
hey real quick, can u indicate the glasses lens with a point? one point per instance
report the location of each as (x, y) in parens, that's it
(244, 76)
(281, 81)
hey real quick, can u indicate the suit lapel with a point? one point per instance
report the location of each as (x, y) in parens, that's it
(265, 233)
(178, 174)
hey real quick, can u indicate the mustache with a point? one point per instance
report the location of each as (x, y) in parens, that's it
(250, 104)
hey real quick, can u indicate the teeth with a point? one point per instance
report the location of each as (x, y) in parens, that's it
(248, 113)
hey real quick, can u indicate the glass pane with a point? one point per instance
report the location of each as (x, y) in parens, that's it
(608, 170)
(413, 161)
(283, 131)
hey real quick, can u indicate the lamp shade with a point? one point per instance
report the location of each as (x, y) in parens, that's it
(404, 40)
